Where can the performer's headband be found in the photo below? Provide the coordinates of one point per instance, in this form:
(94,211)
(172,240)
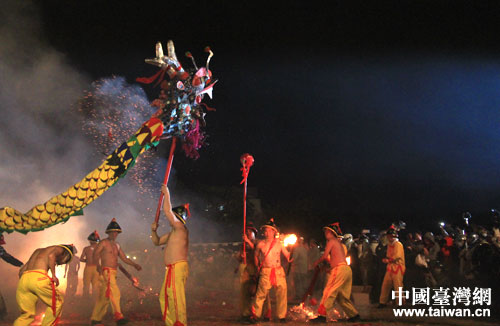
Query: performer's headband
(68,250)
(269,226)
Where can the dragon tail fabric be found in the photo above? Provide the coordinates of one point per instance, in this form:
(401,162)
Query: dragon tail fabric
(71,202)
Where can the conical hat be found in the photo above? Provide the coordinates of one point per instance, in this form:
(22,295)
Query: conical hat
(182,212)
(113,226)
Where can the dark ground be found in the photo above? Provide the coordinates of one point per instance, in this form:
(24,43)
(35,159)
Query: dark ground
(220,308)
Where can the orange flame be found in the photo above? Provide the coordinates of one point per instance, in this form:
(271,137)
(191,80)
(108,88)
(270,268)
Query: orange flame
(290,239)
(348,260)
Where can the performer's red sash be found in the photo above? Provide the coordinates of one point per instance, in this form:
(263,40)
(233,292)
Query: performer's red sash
(171,284)
(108,287)
(272,277)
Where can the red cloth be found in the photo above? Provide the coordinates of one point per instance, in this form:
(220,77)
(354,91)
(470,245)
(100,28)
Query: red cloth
(108,288)
(272,277)
(148,80)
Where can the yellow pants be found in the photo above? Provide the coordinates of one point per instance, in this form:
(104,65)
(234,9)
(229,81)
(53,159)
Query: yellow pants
(247,273)
(338,288)
(90,277)
(172,295)
(108,293)
(34,285)
(268,276)
(391,280)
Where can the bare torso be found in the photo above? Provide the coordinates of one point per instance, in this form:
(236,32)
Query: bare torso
(73,266)
(88,255)
(176,248)
(273,259)
(337,253)
(40,259)
(109,253)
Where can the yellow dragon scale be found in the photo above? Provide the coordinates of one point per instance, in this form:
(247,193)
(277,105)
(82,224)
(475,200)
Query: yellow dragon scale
(71,202)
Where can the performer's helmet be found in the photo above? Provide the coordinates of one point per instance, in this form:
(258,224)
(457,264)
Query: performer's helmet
(270,224)
(94,236)
(71,249)
(182,212)
(250,226)
(392,231)
(335,228)
(113,226)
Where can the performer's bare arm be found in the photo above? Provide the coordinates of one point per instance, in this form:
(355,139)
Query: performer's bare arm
(52,266)
(22,269)
(83,257)
(158,241)
(167,209)
(326,254)
(97,256)
(248,241)
(257,254)
(128,261)
(285,252)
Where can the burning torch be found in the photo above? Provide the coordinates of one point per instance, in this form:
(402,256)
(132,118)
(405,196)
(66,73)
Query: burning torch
(133,279)
(289,240)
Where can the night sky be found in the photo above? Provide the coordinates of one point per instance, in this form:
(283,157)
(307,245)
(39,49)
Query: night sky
(363,113)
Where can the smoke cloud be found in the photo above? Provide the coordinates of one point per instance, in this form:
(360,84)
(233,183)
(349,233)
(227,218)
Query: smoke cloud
(45,147)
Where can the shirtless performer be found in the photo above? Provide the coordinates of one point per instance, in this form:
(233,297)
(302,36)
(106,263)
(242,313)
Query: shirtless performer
(36,284)
(268,261)
(248,286)
(339,283)
(106,258)
(90,274)
(71,274)
(172,295)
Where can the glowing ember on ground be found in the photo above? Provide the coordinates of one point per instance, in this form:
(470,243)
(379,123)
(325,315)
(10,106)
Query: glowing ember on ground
(302,312)
(290,239)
